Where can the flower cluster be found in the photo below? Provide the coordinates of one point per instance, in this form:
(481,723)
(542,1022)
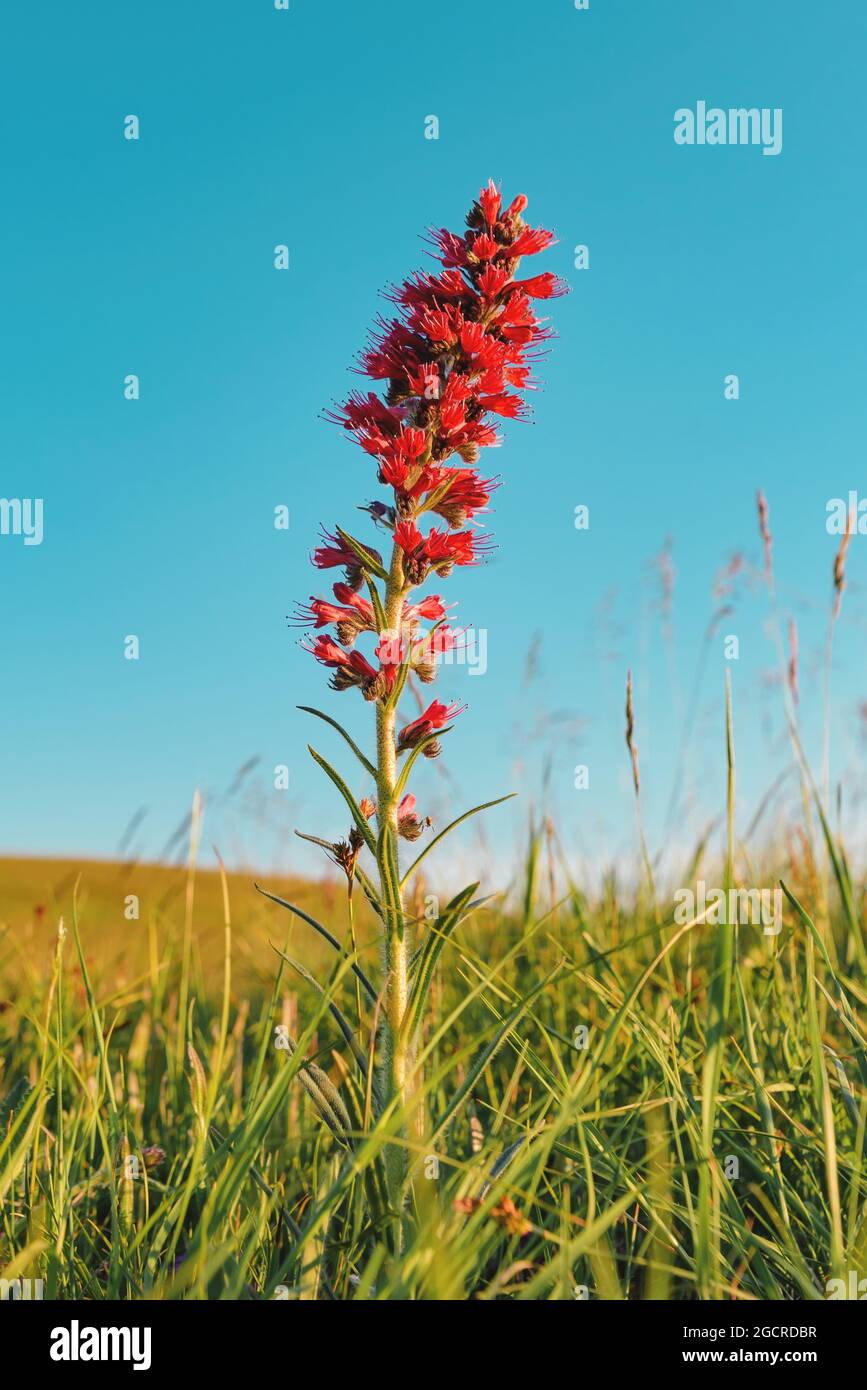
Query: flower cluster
(455,357)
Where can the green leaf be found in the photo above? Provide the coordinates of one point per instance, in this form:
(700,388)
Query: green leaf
(324,932)
(807,922)
(439,933)
(337,1015)
(486,805)
(841,872)
(365,556)
(374,1174)
(369,891)
(416,753)
(365,762)
(13,1102)
(326,1098)
(436,495)
(378,610)
(845,1087)
(502,1163)
(844,1012)
(493,1047)
(21,1112)
(361,823)
(386,858)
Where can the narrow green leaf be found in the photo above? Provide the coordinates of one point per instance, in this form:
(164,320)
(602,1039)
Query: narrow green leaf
(416,752)
(437,937)
(361,823)
(323,932)
(378,610)
(365,762)
(493,1047)
(486,805)
(366,557)
(339,1018)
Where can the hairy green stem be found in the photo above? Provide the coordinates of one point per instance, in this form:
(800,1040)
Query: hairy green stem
(396,956)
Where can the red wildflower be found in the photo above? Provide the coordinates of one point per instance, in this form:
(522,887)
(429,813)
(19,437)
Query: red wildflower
(489,202)
(350,668)
(425,381)
(461,495)
(408,824)
(365,412)
(431,607)
(434,718)
(505,1213)
(438,550)
(484,248)
(492,280)
(531,241)
(425,653)
(544,286)
(453,249)
(472,337)
(506,404)
(351,616)
(335,552)
(455,354)
(460,342)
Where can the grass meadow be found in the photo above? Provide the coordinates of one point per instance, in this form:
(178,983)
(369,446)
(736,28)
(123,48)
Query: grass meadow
(605,1102)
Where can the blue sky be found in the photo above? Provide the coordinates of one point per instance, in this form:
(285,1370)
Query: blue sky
(306,127)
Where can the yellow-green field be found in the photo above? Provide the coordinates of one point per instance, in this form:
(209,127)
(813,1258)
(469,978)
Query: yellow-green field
(606,1104)
(124,951)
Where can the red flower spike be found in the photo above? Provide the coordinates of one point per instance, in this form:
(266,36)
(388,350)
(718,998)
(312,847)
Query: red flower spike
(455,356)
(462,339)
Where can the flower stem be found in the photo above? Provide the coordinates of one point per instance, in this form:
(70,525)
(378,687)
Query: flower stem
(395,951)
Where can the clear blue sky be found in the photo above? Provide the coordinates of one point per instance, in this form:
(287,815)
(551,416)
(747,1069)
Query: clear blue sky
(306,127)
